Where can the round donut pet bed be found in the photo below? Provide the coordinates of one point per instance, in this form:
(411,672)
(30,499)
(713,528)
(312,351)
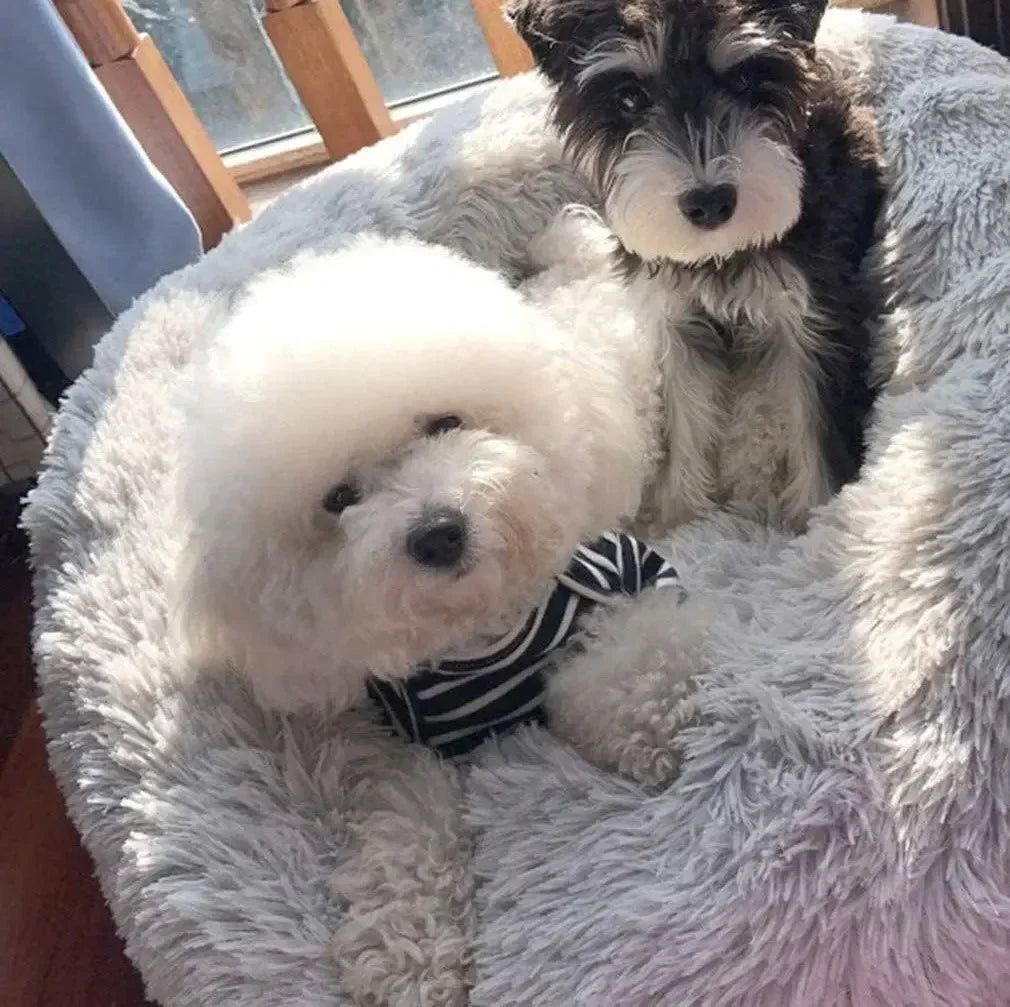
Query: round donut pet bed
(839,833)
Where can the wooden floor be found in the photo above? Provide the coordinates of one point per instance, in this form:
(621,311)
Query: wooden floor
(58,945)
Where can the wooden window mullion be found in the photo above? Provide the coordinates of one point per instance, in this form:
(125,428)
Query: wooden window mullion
(323,60)
(142,87)
(509,52)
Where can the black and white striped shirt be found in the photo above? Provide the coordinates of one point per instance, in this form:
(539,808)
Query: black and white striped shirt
(454,704)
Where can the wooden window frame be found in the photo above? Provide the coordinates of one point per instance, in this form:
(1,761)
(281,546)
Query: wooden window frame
(141,86)
(305,149)
(316,45)
(320,55)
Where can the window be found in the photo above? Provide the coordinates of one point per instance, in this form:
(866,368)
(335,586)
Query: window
(221,58)
(280,86)
(223,61)
(418,48)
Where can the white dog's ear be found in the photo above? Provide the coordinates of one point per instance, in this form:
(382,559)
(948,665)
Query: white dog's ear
(200,617)
(215,628)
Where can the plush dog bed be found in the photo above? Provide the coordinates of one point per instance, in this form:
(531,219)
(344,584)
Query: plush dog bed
(839,834)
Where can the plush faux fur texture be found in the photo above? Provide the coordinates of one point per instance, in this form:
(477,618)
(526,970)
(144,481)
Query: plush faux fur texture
(838,835)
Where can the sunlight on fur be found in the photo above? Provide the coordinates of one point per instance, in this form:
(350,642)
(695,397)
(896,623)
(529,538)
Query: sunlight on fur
(323,387)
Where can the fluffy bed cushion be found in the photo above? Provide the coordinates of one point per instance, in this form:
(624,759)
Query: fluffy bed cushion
(839,834)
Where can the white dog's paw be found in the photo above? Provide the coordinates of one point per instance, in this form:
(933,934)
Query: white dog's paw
(622,702)
(575,245)
(404,885)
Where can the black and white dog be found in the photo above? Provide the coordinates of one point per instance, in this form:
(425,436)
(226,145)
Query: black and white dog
(744,186)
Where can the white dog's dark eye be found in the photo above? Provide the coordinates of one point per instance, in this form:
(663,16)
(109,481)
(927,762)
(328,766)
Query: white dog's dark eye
(442,425)
(631,98)
(341,497)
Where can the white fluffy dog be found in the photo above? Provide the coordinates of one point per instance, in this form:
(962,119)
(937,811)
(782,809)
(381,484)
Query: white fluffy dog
(389,453)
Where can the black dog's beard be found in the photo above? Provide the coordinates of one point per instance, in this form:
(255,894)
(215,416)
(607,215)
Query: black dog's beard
(642,180)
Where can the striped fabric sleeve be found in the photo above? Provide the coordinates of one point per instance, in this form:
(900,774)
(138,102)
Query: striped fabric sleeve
(456,703)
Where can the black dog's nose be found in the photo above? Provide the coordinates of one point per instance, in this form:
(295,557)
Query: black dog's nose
(438,539)
(709,206)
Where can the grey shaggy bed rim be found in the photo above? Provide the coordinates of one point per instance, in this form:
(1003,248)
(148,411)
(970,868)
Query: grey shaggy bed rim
(839,835)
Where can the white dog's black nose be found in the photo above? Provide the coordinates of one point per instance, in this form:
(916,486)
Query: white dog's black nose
(438,539)
(709,206)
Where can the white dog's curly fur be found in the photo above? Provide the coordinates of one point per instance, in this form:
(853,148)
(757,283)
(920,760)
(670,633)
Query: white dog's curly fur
(328,374)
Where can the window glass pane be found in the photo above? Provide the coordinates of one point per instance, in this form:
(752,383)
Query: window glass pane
(221,58)
(419,47)
(225,64)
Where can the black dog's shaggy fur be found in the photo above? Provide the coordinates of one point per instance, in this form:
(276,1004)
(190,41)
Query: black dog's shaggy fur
(842,197)
(731,94)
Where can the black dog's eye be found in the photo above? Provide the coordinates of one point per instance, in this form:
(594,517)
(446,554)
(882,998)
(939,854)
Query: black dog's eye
(630,99)
(759,75)
(742,81)
(341,497)
(442,425)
